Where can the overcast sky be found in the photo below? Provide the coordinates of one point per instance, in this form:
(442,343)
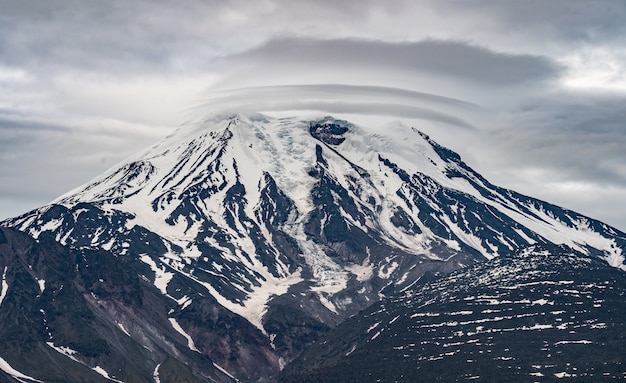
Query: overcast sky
(531,93)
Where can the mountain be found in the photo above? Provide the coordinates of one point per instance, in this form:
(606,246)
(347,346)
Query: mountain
(543,314)
(261,234)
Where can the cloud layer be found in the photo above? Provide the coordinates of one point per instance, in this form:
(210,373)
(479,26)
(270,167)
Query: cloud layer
(449,59)
(530,93)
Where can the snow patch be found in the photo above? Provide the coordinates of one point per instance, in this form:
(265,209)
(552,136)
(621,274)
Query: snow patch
(182,332)
(386,273)
(184,302)
(6,367)
(364,271)
(542,302)
(573,342)
(563,374)
(464,312)
(224,371)
(102,372)
(255,306)
(5,285)
(161,277)
(121,326)
(155,374)
(373,326)
(65,351)
(48,226)
(351,350)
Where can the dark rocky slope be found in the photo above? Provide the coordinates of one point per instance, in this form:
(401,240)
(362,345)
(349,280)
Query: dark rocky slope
(76,315)
(542,315)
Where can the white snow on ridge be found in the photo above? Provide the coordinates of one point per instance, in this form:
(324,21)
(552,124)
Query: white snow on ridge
(224,371)
(255,306)
(6,367)
(65,351)
(364,271)
(561,342)
(48,226)
(161,277)
(4,286)
(155,374)
(182,332)
(102,372)
(121,326)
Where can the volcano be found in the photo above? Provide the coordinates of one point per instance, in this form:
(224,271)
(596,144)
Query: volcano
(245,238)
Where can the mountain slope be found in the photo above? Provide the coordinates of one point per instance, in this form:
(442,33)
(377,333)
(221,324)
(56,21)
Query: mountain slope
(72,315)
(286,227)
(541,315)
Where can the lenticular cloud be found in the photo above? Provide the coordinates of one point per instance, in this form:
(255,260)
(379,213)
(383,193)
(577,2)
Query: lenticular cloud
(342,98)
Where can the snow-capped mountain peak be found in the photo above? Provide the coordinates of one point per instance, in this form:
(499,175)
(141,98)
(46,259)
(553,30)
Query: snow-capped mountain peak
(318,215)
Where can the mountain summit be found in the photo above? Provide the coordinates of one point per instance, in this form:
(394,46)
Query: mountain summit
(262,233)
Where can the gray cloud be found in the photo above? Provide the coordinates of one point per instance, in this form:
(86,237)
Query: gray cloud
(119,36)
(565,20)
(116,38)
(581,137)
(341,98)
(338,90)
(40,161)
(565,147)
(84,82)
(454,59)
